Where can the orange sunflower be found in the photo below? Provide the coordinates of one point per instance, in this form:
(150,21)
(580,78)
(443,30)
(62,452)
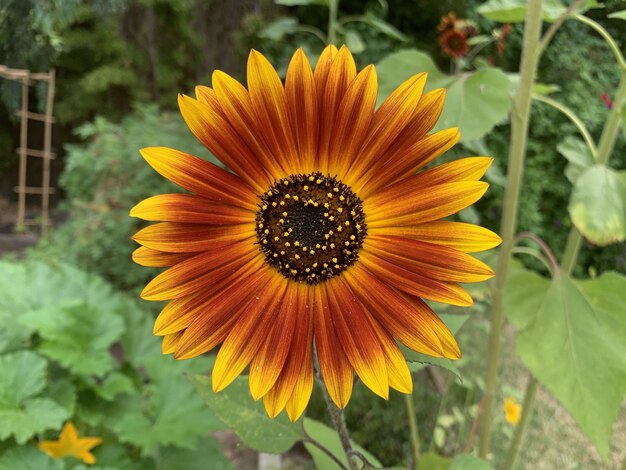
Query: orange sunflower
(321,236)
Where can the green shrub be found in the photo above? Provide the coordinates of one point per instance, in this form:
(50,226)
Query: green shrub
(103,178)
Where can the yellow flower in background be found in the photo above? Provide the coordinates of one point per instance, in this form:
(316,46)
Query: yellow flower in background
(321,235)
(70,444)
(512,410)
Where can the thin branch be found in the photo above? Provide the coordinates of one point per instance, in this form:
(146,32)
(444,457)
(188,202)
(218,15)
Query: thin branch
(544,247)
(523,250)
(547,37)
(330,455)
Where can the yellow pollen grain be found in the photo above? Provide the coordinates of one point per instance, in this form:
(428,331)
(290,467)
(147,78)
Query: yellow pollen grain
(305,187)
(284,214)
(274,204)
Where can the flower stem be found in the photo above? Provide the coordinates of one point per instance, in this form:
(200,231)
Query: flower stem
(415,438)
(333,8)
(605,148)
(519,130)
(522,426)
(336,416)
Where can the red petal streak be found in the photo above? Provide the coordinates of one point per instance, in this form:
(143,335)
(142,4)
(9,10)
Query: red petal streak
(270,107)
(389,120)
(184,238)
(208,123)
(200,177)
(298,365)
(269,361)
(342,73)
(357,337)
(253,328)
(405,204)
(180,313)
(303,109)
(406,321)
(335,367)
(222,313)
(429,260)
(464,169)
(406,161)
(236,104)
(195,273)
(353,121)
(190,208)
(158,259)
(416,284)
(461,236)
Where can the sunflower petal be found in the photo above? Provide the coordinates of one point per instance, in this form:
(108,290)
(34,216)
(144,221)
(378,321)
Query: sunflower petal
(335,367)
(208,123)
(461,236)
(358,339)
(168,346)
(158,259)
(200,177)
(302,106)
(404,204)
(434,261)
(185,238)
(189,208)
(242,343)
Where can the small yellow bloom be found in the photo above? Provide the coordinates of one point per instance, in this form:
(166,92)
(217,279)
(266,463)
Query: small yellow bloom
(70,443)
(512,410)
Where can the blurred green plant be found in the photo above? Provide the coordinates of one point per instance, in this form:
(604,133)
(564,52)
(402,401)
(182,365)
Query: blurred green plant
(103,178)
(72,348)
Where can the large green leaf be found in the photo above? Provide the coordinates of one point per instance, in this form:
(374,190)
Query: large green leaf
(206,455)
(570,335)
(469,462)
(236,408)
(475,102)
(577,154)
(28,458)
(329,438)
(597,205)
(170,412)
(78,335)
(433,461)
(23,413)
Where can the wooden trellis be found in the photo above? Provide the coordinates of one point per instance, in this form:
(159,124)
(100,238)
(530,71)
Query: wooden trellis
(24,151)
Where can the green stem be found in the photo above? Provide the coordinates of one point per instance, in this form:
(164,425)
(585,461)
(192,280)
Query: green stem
(605,148)
(333,9)
(319,34)
(607,37)
(415,438)
(336,416)
(519,130)
(522,426)
(554,27)
(572,117)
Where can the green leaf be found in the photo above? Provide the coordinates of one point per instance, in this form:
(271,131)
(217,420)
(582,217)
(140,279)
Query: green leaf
(432,461)
(236,408)
(28,458)
(113,385)
(578,155)
(207,454)
(545,89)
(384,27)
(278,29)
(620,15)
(77,335)
(329,438)
(570,336)
(514,11)
(170,411)
(475,102)
(469,462)
(597,205)
(354,41)
(418,361)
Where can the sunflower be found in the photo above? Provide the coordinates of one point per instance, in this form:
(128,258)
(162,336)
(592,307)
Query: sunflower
(321,236)
(453,43)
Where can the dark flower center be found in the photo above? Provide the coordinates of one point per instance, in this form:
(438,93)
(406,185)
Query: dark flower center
(310,227)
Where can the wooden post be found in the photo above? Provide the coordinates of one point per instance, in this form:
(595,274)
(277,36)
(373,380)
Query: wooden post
(21,204)
(47,154)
